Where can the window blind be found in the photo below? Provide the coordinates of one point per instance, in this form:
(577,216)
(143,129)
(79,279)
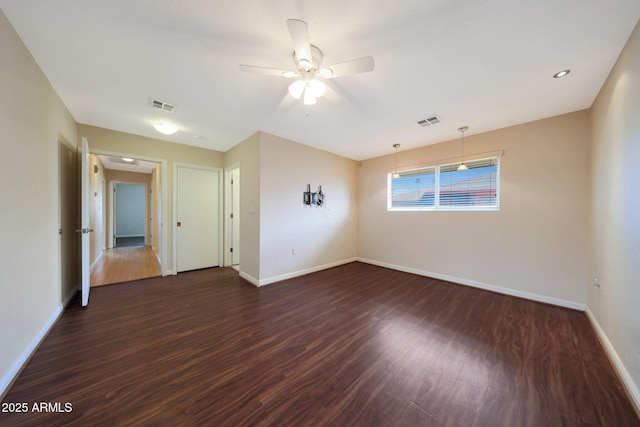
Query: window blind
(444,187)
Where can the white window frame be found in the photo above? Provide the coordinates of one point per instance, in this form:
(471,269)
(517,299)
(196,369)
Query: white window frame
(437,206)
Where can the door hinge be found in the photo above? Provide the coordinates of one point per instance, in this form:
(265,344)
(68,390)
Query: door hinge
(231,216)
(230,249)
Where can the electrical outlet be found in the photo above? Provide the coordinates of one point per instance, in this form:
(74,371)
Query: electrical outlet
(596,283)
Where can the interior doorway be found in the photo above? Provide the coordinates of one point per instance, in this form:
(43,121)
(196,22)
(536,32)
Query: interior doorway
(68,217)
(128,204)
(130,212)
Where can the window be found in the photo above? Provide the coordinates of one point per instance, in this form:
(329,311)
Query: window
(443,187)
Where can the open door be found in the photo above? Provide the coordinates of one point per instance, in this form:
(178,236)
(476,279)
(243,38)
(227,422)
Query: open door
(85,227)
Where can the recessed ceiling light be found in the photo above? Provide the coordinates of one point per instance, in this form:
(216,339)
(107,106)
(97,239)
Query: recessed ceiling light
(165,128)
(561,74)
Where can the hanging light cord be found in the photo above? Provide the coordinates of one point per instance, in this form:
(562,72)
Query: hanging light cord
(396,174)
(462,166)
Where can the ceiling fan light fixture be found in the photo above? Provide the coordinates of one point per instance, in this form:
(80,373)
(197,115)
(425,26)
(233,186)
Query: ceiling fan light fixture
(317,87)
(165,128)
(309,96)
(296,88)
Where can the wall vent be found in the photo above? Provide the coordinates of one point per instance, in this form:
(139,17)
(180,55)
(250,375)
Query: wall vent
(434,119)
(163,106)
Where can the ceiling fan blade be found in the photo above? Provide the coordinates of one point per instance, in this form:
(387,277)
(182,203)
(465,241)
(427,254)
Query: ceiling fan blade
(268,71)
(354,66)
(299,32)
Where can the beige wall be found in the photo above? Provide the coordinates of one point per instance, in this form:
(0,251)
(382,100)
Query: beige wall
(247,156)
(105,140)
(535,246)
(32,119)
(615,206)
(321,236)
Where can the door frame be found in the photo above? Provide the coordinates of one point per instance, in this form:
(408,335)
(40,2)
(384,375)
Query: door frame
(112,209)
(174,226)
(228,232)
(163,191)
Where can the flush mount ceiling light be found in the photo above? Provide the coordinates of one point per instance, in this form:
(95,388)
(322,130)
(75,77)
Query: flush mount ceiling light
(128,159)
(462,166)
(561,74)
(165,128)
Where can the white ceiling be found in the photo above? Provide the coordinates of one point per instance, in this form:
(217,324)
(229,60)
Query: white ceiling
(486,64)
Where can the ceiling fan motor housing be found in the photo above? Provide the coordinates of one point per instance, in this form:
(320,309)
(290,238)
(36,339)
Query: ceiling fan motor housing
(316,57)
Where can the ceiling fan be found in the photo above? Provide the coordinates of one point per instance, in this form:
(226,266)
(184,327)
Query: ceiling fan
(308,70)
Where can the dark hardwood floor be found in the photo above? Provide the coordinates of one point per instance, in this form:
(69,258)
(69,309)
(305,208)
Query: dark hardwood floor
(355,345)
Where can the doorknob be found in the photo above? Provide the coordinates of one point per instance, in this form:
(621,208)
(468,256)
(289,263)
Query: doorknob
(85,230)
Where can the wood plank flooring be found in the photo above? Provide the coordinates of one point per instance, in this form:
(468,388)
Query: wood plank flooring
(123,265)
(356,345)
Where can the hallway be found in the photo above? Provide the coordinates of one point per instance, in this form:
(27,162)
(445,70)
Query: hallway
(124,264)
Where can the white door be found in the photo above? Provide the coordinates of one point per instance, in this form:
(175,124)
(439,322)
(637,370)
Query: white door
(85,227)
(197,218)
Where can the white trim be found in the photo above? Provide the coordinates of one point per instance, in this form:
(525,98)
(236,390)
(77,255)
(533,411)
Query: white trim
(174,226)
(506,291)
(285,276)
(12,374)
(249,278)
(226,259)
(632,388)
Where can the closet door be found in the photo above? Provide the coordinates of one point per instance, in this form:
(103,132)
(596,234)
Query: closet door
(197,218)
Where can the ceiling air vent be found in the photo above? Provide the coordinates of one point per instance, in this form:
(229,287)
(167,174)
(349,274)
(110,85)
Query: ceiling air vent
(428,121)
(163,106)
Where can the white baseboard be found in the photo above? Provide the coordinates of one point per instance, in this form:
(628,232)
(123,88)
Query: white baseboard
(274,279)
(630,385)
(7,380)
(249,278)
(480,285)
